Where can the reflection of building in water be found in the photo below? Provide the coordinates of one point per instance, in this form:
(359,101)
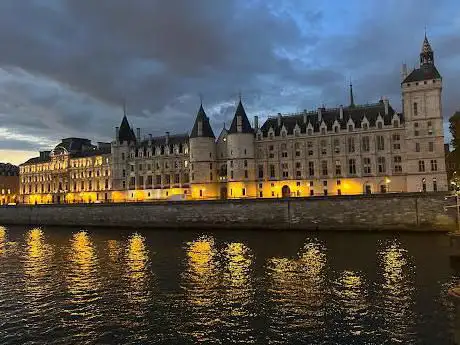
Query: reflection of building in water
(397,293)
(297,289)
(238,293)
(201,288)
(351,295)
(136,261)
(82,277)
(2,239)
(114,250)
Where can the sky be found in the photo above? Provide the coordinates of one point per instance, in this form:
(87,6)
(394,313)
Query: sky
(67,65)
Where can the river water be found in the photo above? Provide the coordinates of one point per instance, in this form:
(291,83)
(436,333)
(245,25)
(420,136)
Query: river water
(112,286)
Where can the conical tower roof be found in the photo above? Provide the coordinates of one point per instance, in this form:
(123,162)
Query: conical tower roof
(245,124)
(126,133)
(206,126)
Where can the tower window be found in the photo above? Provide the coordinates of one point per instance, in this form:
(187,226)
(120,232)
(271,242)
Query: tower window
(415,107)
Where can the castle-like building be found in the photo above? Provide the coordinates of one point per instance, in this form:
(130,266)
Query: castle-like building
(351,149)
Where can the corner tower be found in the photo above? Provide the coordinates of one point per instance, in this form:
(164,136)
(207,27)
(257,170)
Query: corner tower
(240,154)
(203,166)
(422,108)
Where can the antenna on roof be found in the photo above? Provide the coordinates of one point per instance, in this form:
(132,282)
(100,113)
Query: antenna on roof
(125,110)
(239,95)
(201,98)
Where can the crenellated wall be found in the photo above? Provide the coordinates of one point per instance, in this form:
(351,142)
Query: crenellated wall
(414,211)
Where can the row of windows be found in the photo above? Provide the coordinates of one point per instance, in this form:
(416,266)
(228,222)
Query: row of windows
(157,180)
(337,168)
(324,131)
(158,151)
(58,187)
(433,165)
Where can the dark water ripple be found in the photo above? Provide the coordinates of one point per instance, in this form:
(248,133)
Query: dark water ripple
(61,286)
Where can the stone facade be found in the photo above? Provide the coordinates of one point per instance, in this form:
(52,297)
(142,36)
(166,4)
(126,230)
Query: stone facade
(9,183)
(75,171)
(352,149)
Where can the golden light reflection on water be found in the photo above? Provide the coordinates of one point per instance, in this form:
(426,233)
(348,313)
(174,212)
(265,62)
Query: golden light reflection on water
(136,260)
(82,275)
(397,291)
(297,289)
(37,262)
(114,250)
(2,239)
(201,274)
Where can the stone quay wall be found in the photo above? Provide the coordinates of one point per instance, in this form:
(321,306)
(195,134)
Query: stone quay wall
(409,211)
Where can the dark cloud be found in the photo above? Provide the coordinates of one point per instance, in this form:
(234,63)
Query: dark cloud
(73,61)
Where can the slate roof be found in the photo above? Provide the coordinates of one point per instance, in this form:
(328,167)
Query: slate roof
(125,133)
(207,130)
(246,125)
(7,169)
(356,113)
(174,139)
(425,72)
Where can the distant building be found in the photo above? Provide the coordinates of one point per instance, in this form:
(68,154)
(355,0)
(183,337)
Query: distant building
(74,171)
(350,149)
(9,183)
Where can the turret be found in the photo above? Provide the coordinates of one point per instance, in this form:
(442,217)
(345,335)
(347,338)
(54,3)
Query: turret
(240,153)
(203,165)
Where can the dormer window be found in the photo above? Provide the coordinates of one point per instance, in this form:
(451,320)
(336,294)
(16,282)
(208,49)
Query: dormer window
(296,132)
(310,131)
(350,128)
(365,126)
(336,129)
(283,134)
(259,136)
(323,131)
(395,123)
(379,125)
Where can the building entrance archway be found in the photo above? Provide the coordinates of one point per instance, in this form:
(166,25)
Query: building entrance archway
(285,192)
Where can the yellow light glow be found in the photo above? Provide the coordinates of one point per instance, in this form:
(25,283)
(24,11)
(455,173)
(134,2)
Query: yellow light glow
(2,239)
(137,258)
(387,180)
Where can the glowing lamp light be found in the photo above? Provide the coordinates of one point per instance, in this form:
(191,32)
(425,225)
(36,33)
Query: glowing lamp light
(387,180)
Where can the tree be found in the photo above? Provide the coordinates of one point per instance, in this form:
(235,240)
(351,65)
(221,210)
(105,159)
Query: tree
(454,128)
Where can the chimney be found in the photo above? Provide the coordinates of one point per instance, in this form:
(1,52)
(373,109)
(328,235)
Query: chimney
(320,115)
(200,128)
(404,71)
(386,103)
(305,116)
(279,119)
(138,133)
(256,122)
(117,133)
(341,112)
(167,138)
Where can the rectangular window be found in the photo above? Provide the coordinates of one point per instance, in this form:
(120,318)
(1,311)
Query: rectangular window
(140,167)
(421,166)
(124,173)
(243,191)
(415,109)
(338,168)
(351,144)
(132,167)
(261,171)
(381,165)
(324,167)
(245,174)
(167,179)
(132,181)
(366,144)
(149,181)
(272,171)
(367,165)
(417,147)
(177,178)
(380,143)
(352,166)
(431,146)
(397,164)
(231,174)
(434,165)
(311,168)
(158,179)
(141,181)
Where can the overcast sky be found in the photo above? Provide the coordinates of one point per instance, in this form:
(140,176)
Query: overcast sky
(66,65)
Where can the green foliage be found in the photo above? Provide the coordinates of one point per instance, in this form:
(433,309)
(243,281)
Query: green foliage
(454,127)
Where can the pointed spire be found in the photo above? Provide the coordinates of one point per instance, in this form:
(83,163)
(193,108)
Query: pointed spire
(240,123)
(202,127)
(426,54)
(352,99)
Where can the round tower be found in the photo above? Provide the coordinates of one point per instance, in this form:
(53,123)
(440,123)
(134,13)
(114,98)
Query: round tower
(203,164)
(241,160)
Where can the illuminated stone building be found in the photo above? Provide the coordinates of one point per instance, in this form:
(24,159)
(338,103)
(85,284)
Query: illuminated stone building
(9,183)
(352,149)
(74,171)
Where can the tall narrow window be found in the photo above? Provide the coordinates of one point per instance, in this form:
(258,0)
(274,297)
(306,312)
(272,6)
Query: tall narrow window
(272,171)
(338,168)
(397,164)
(381,165)
(367,165)
(311,168)
(351,144)
(380,143)
(434,165)
(415,109)
(324,168)
(421,166)
(261,171)
(366,144)
(431,146)
(352,166)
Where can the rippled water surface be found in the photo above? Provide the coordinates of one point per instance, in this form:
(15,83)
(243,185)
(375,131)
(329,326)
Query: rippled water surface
(111,286)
